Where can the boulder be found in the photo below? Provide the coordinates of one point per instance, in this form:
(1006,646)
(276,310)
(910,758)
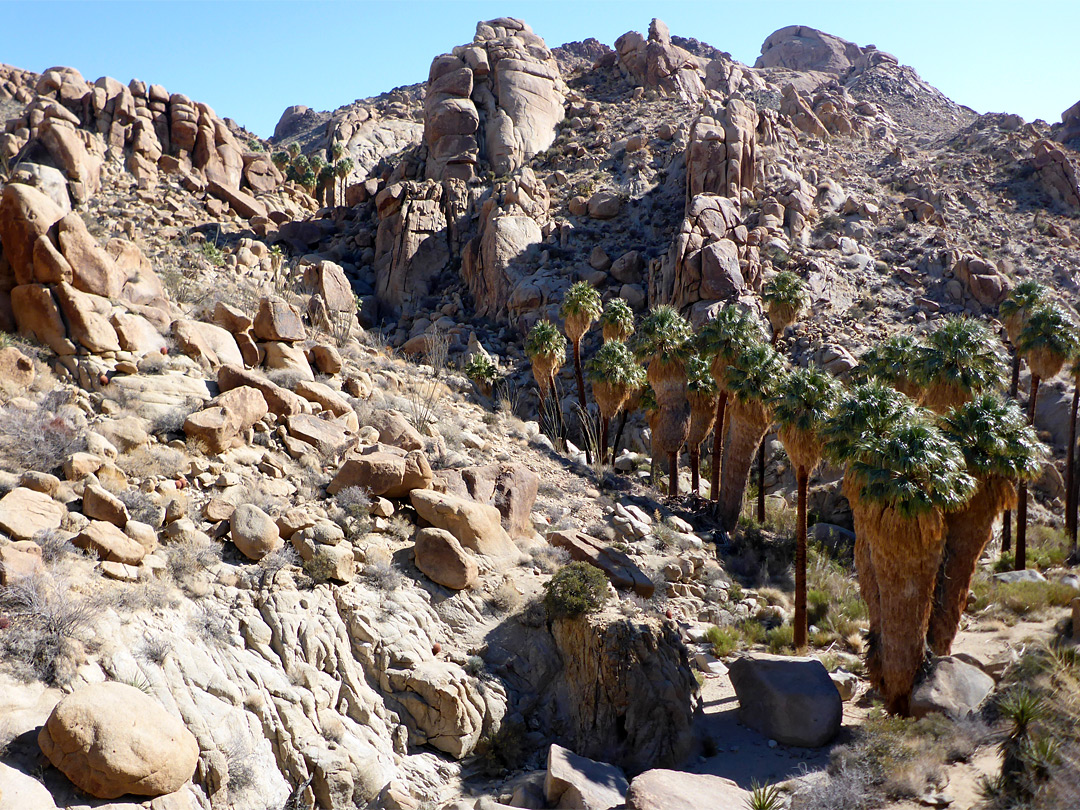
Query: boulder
(280,401)
(281,356)
(605,204)
(657,63)
(111,739)
(19,559)
(394,429)
(25,512)
(328,280)
(578,782)
(87,318)
(254,532)
(952,687)
(328,437)
(37,315)
(661,789)
(620,569)
(790,700)
(278,321)
(242,202)
(21,792)
(25,214)
(329,400)
(92,269)
(510,488)
(221,425)
(50,266)
(439,555)
(206,343)
(799,47)
(383,470)
(100,504)
(477,526)
(16,369)
(109,543)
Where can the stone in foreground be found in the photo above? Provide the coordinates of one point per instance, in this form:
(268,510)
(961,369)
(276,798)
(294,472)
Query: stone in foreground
(952,687)
(577,782)
(661,789)
(790,700)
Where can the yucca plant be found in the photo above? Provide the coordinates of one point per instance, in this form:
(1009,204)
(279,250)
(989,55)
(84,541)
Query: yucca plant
(892,361)
(802,404)
(999,448)
(907,477)
(617,321)
(664,339)
(546,348)
(614,375)
(959,360)
(1046,341)
(751,381)
(702,393)
(580,308)
(786,296)
(721,339)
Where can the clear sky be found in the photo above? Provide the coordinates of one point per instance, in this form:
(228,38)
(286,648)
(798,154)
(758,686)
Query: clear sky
(250,60)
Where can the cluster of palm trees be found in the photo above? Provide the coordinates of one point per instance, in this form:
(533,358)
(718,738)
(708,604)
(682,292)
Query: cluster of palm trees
(320,178)
(932,449)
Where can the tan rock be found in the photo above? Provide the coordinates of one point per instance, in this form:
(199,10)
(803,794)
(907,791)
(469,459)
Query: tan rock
(439,555)
(287,357)
(79,465)
(18,560)
(230,318)
(100,504)
(278,321)
(232,413)
(280,401)
(109,543)
(25,214)
(22,792)
(383,470)
(243,203)
(136,334)
(50,266)
(254,532)
(327,359)
(328,437)
(207,343)
(37,315)
(661,789)
(16,369)
(87,318)
(82,168)
(394,429)
(93,270)
(111,739)
(328,280)
(477,526)
(24,513)
(325,397)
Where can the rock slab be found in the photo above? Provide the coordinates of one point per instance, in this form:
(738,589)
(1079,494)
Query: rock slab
(790,700)
(579,782)
(952,687)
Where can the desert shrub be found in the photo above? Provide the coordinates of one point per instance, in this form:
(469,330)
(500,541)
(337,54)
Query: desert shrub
(550,559)
(724,640)
(151,462)
(142,506)
(153,363)
(575,589)
(505,598)
(171,422)
(277,560)
(38,439)
(47,620)
(780,638)
(355,503)
(481,371)
(1017,599)
(54,545)
(211,625)
(384,576)
(424,402)
(239,763)
(437,349)
(320,567)
(154,649)
(188,559)
(286,377)
(1047,547)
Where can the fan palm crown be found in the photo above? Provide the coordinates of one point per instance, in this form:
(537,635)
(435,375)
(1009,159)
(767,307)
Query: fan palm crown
(957,361)
(614,363)
(1047,340)
(723,337)
(699,379)
(545,340)
(617,321)
(995,439)
(1018,304)
(580,307)
(753,375)
(802,404)
(891,361)
(664,338)
(865,411)
(786,296)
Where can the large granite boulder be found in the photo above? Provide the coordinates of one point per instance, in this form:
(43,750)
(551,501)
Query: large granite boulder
(111,739)
(574,781)
(661,789)
(799,47)
(655,62)
(477,526)
(790,700)
(951,687)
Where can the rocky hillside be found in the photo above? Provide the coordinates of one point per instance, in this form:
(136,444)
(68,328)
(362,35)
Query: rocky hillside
(264,543)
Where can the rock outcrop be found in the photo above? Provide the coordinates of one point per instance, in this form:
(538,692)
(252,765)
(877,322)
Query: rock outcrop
(1057,174)
(721,155)
(799,47)
(655,62)
(493,102)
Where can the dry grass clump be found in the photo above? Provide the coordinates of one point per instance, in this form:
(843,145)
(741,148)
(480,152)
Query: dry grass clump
(188,559)
(153,461)
(39,439)
(1010,601)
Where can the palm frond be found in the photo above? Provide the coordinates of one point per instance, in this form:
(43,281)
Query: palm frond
(867,410)
(581,300)
(617,320)
(614,363)
(699,379)
(664,335)
(1047,339)
(754,374)
(995,438)
(733,329)
(1025,296)
(545,340)
(962,355)
(786,296)
(805,398)
(891,361)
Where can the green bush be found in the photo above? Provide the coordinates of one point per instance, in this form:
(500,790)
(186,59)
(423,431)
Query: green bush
(780,638)
(724,640)
(576,589)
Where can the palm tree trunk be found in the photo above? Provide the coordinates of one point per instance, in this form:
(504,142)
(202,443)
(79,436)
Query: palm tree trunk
(748,427)
(695,475)
(905,554)
(862,514)
(618,434)
(801,629)
(1021,495)
(968,532)
(605,423)
(581,395)
(1006,519)
(673,474)
(1070,471)
(718,446)
(761,483)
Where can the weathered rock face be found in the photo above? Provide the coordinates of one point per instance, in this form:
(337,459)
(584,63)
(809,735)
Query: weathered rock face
(1070,124)
(439,555)
(25,512)
(495,101)
(626,694)
(721,155)
(574,781)
(111,739)
(383,470)
(477,526)
(657,63)
(661,789)
(510,488)
(620,569)
(708,260)
(798,47)
(1057,174)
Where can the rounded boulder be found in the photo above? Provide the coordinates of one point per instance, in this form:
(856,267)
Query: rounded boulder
(111,739)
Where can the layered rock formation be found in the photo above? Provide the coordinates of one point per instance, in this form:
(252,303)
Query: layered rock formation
(493,102)
(657,63)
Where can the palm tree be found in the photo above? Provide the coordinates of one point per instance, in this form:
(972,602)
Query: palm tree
(580,307)
(546,348)
(721,339)
(803,402)
(664,339)
(1025,297)
(750,380)
(647,403)
(785,294)
(342,169)
(326,183)
(1046,341)
(617,322)
(960,359)
(999,447)
(337,151)
(871,408)
(614,376)
(891,361)
(293,150)
(1070,463)
(702,393)
(281,159)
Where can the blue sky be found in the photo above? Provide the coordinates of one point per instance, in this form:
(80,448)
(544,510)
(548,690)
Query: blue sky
(250,60)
